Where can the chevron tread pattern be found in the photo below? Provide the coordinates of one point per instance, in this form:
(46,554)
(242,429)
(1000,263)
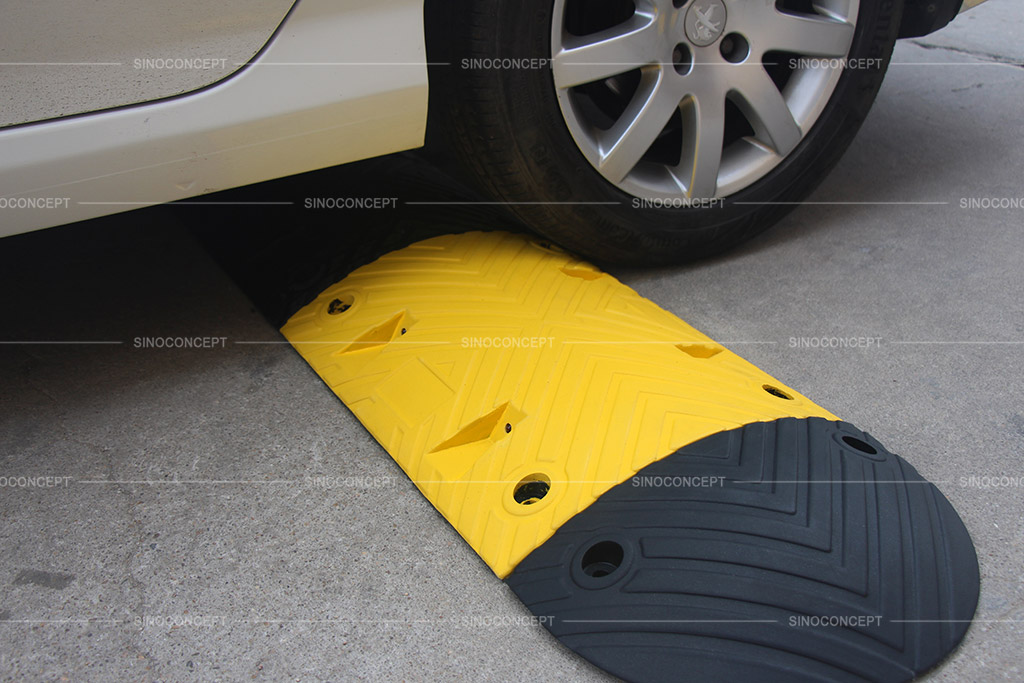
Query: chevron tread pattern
(617,384)
(790,550)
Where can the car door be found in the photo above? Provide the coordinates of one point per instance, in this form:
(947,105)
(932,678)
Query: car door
(60,58)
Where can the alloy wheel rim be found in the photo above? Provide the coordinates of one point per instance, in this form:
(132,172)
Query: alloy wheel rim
(686,100)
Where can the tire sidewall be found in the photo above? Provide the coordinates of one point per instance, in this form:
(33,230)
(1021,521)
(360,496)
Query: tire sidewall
(536,134)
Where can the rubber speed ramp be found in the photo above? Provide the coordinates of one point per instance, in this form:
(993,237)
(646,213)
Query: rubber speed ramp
(664,504)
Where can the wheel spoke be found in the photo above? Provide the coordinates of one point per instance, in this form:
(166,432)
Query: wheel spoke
(623,144)
(766,109)
(703,132)
(807,35)
(690,66)
(607,53)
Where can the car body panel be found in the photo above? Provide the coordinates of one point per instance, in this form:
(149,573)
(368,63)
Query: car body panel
(327,90)
(968,4)
(339,81)
(922,17)
(59,58)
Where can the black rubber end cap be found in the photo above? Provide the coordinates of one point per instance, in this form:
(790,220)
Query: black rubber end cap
(795,550)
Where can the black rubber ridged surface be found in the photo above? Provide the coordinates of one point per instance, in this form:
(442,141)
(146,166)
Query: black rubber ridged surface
(716,576)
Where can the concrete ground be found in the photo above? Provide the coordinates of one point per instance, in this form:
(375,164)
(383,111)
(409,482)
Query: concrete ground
(184,536)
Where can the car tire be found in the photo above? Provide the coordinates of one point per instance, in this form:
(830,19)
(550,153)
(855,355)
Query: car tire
(506,109)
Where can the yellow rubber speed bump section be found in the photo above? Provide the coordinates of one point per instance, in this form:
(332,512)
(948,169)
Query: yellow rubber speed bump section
(515,385)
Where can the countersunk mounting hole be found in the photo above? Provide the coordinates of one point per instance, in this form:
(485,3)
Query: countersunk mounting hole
(776,392)
(341,304)
(531,489)
(602,558)
(863,447)
(549,247)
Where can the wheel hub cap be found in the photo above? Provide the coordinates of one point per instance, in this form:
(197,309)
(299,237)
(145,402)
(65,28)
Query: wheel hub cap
(705,21)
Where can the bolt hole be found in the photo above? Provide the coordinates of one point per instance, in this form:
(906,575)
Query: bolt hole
(508,427)
(550,247)
(776,392)
(602,559)
(682,59)
(340,305)
(863,447)
(734,48)
(404,330)
(532,488)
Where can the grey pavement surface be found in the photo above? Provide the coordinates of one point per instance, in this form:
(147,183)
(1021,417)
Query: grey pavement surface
(191,540)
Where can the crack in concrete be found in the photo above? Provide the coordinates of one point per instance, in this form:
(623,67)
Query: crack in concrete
(983,56)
